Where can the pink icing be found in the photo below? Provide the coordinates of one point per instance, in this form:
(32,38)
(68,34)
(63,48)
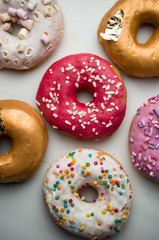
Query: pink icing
(57,97)
(144,139)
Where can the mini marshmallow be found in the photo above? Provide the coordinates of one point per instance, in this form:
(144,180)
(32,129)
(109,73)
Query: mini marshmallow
(4,17)
(12,11)
(6,26)
(47,11)
(22,33)
(21,47)
(26,23)
(29,24)
(22,14)
(45,39)
(32,4)
(45,2)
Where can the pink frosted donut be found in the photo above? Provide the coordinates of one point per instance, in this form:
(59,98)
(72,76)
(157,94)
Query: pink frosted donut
(144,139)
(57,96)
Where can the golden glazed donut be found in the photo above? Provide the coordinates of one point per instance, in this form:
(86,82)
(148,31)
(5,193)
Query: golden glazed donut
(117,34)
(23,125)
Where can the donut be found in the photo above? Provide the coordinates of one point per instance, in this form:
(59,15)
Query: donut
(144,139)
(21,122)
(57,96)
(117,34)
(30,31)
(103,217)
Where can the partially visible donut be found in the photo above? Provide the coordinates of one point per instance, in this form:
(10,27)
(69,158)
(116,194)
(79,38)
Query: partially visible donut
(23,125)
(103,217)
(57,96)
(117,34)
(41,28)
(144,139)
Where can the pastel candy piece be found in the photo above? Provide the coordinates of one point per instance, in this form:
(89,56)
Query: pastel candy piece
(105,215)
(144,139)
(22,14)
(57,96)
(12,11)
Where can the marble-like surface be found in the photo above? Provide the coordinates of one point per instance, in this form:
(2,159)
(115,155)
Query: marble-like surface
(23,214)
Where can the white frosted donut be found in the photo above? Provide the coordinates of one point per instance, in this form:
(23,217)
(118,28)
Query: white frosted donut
(101,218)
(40,30)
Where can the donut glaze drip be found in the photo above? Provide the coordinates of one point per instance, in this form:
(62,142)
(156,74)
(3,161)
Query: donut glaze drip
(103,217)
(144,139)
(57,96)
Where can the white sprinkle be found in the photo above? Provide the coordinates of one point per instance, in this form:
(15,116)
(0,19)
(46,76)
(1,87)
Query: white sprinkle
(104,98)
(96,121)
(67,103)
(107,87)
(113,81)
(55,115)
(62,69)
(104,77)
(67,82)
(95,94)
(74,70)
(109,92)
(67,77)
(116,93)
(96,133)
(69,111)
(93,130)
(102,106)
(37,103)
(92,116)
(99,68)
(54,127)
(67,122)
(78,78)
(69,68)
(52,89)
(111,66)
(82,125)
(112,104)
(98,62)
(94,84)
(109,109)
(74,107)
(117,108)
(89,80)
(50,94)
(73,128)
(118,85)
(43,99)
(48,106)
(109,124)
(89,110)
(77,85)
(103,123)
(82,71)
(53,108)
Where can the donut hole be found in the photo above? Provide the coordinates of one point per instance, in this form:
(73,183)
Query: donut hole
(88,194)
(15,29)
(5,144)
(84,96)
(144,33)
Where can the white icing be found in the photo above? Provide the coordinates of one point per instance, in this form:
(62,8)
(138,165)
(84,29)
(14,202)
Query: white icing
(80,210)
(39,51)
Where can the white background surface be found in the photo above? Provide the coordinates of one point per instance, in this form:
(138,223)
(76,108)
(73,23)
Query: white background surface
(23,214)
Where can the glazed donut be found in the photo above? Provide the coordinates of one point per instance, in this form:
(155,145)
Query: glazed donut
(57,96)
(117,34)
(101,218)
(41,28)
(143,139)
(23,125)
